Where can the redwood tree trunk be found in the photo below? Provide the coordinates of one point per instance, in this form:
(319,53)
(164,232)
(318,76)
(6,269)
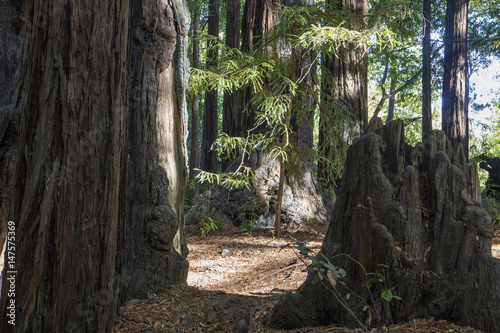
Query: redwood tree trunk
(69,198)
(210,114)
(232,108)
(154,255)
(194,157)
(259,18)
(455,111)
(344,89)
(10,46)
(426,72)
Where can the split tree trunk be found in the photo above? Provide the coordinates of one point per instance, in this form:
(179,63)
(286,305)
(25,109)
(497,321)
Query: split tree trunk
(155,250)
(406,213)
(68,201)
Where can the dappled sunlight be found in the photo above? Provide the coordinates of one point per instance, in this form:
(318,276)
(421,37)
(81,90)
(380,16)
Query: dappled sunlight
(258,264)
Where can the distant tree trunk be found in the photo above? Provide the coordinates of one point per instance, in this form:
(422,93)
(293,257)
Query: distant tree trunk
(405,226)
(10,46)
(210,114)
(344,86)
(154,255)
(259,19)
(231,108)
(455,110)
(69,198)
(426,71)
(194,157)
(392,103)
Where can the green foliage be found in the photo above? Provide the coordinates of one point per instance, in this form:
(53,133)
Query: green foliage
(267,72)
(378,277)
(202,218)
(321,267)
(492,206)
(251,211)
(243,177)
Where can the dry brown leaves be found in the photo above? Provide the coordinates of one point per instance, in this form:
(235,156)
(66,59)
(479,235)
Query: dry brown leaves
(234,281)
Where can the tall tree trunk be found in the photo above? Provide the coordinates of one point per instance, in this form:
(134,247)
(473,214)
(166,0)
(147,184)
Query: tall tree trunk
(259,19)
(10,46)
(231,108)
(426,72)
(69,198)
(154,255)
(344,87)
(455,110)
(194,157)
(210,114)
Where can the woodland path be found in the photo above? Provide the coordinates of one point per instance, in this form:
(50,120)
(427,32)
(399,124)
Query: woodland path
(234,280)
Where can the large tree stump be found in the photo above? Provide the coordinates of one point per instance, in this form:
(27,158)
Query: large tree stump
(408,214)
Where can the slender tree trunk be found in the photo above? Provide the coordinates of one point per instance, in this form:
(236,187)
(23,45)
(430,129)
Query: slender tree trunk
(210,114)
(194,157)
(69,198)
(231,108)
(426,72)
(154,255)
(392,103)
(455,110)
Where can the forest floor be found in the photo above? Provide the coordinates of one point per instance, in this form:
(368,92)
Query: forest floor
(234,280)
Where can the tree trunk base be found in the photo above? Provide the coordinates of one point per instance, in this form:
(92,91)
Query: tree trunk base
(404,224)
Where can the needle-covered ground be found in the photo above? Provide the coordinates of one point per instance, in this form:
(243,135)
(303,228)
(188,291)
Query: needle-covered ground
(234,281)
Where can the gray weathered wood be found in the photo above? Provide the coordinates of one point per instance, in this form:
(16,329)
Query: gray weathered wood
(409,210)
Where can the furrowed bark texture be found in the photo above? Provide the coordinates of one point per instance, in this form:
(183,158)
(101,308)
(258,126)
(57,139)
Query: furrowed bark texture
(455,111)
(426,71)
(231,107)
(410,210)
(344,89)
(346,80)
(194,156)
(10,46)
(69,196)
(155,250)
(259,19)
(210,114)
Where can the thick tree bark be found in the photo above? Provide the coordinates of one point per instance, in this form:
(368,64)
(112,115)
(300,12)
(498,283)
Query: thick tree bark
(259,19)
(69,198)
(455,110)
(348,72)
(210,114)
(10,46)
(344,86)
(407,214)
(154,255)
(194,157)
(426,71)
(231,107)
